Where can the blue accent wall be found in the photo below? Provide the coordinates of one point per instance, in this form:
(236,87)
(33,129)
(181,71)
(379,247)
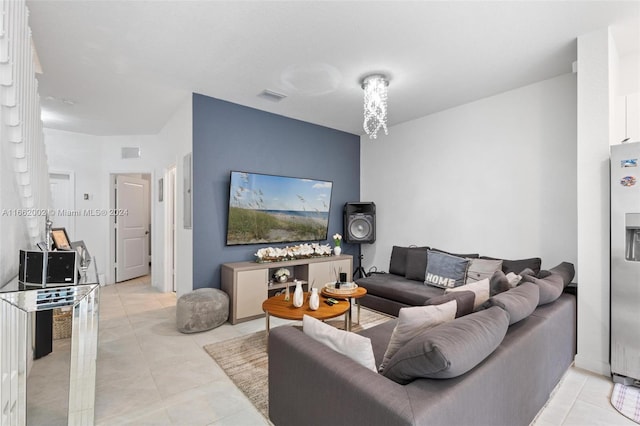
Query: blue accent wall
(227,137)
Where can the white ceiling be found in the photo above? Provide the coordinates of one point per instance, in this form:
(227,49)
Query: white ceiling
(123,67)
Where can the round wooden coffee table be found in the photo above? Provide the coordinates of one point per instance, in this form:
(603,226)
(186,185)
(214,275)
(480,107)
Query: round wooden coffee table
(357,294)
(280,308)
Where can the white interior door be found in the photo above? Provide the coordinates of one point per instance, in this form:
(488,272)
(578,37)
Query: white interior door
(132,227)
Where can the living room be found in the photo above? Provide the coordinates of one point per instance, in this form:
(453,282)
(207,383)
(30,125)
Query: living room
(515,172)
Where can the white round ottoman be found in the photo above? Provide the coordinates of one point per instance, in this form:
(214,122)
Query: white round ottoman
(201,310)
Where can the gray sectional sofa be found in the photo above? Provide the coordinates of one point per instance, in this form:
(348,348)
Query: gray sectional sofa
(310,383)
(403,285)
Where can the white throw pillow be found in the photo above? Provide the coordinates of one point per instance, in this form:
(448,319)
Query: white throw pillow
(356,347)
(414,320)
(513,279)
(482,290)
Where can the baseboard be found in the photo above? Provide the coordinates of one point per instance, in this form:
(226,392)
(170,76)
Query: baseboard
(595,366)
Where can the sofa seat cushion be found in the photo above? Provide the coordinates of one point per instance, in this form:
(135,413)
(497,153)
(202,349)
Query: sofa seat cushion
(399,289)
(450,349)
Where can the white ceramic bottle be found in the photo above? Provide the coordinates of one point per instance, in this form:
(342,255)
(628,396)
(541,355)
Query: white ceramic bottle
(314,300)
(298,295)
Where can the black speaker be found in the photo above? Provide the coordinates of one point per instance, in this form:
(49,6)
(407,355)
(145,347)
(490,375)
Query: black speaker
(360,222)
(52,267)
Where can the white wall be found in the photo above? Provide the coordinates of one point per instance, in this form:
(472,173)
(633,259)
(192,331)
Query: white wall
(496,176)
(177,134)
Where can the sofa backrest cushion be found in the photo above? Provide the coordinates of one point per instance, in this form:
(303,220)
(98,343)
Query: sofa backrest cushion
(566,270)
(414,320)
(516,266)
(352,345)
(499,283)
(416,263)
(464,301)
(550,287)
(520,301)
(398,263)
(467,255)
(450,349)
(480,269)
(445,270)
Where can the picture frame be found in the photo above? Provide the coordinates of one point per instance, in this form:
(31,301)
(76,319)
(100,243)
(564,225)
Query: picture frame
(60,239)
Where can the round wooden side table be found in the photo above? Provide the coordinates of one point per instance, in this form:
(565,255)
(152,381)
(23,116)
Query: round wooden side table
(280,308)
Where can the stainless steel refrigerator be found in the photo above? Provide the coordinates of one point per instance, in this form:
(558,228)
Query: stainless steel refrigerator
(625,263)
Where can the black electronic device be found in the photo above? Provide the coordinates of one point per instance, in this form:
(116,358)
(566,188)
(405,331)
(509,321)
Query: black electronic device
(48,267)
(360,222)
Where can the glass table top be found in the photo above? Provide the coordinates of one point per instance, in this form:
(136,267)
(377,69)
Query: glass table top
(38,297)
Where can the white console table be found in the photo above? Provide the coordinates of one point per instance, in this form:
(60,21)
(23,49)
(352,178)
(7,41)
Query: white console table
(17,302)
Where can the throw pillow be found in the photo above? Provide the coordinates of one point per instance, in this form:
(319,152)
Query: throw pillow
(520,301)
(416,263)
(516,266)
(480,269)
(550,287)
(498,283)
(398,262)
(481,289)
(450,349)
(464,301)
(414,320)
(513,279)
(352,345)
(445,270)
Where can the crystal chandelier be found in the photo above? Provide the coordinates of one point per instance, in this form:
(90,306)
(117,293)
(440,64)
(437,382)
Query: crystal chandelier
(375,104)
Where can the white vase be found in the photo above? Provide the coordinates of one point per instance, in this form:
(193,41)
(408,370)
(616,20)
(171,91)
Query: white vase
(298,295)
(337,250)
(314,300)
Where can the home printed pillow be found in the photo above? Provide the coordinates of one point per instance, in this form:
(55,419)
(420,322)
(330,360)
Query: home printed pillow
(445,270)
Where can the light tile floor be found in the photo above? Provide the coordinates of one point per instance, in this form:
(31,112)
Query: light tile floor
(150,374)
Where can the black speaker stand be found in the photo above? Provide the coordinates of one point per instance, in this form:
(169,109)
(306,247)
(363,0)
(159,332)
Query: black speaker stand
(359,269)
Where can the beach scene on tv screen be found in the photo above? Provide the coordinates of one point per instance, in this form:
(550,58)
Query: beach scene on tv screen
(273,209)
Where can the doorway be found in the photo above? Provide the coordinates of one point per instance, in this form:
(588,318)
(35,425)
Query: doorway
(131,221)
(63,200)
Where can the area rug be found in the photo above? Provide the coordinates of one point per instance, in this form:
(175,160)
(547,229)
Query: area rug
(626,399)
(244,359)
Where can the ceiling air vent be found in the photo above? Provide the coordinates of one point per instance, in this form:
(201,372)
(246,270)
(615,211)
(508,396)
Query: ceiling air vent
(271,95)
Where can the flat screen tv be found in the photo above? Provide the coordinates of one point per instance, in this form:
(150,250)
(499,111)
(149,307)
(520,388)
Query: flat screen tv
(267,209)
